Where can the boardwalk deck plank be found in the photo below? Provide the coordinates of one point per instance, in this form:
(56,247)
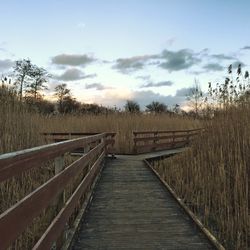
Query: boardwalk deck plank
(131,209)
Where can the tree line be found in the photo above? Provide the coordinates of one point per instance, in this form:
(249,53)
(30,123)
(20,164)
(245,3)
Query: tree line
(28,82)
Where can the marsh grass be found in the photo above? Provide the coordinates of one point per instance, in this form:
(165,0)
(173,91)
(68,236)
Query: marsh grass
(20,128)
(212,177)
(123,124)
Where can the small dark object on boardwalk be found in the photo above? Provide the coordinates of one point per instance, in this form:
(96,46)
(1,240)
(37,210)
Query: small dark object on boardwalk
(131,209)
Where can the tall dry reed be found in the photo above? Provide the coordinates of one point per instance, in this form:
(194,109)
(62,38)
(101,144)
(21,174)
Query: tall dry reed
(212,177)
(123,124)
(20,129)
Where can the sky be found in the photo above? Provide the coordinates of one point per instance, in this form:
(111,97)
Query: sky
(110,51)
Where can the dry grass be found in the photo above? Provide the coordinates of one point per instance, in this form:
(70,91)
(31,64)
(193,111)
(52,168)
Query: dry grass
(20,129)
(213,177)
(122,124)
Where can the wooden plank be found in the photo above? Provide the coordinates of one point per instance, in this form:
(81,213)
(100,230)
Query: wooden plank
(17,218)
(57,225)
(132,210)
(199,224)
(160,146)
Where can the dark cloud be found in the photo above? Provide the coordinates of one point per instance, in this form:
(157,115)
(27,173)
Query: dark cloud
(73,74)
(222,57)
(175,60)
(146,97)
(126,65)
(246,48)
(97,86)
(183,92)
(142,97)
(6,64)
(204,52)
(178,60)
(236,64)
(72,60)
(213,67)
(158,84)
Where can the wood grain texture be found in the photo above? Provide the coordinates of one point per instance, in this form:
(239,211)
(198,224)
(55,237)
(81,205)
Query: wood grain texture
(131,209)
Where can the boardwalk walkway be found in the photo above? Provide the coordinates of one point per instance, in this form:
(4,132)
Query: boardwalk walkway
(131,209)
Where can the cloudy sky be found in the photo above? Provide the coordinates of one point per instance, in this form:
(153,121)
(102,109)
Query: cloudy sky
(108,51)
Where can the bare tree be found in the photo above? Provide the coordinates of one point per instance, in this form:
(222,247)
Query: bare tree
(177,109)
(62,93)
(195,97)
(22,71)
(39,79)
(132,107)
(156,107)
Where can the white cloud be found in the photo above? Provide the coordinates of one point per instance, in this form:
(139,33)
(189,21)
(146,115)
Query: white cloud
(81,25)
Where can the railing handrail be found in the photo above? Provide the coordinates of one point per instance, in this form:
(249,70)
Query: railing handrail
(19,216)
(166,131)
(77,133)
(158,137)
(14,163)
(147,141)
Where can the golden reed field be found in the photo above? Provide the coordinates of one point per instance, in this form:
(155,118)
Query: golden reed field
(211,177)
(20,129)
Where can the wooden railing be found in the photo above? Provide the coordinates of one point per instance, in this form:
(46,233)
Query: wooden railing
(149,141)
(18,217)
(63,136)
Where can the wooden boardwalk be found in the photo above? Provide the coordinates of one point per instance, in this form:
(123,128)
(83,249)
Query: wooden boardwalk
(131,209)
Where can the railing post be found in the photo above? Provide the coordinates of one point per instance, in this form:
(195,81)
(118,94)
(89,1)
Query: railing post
(188,138)
(61,200)
(155,141)
(173,139)
(113,147)
(104,140)
(135,142)
(59,164)
(86,149)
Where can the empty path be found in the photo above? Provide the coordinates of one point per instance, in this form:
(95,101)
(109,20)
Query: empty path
(131,209)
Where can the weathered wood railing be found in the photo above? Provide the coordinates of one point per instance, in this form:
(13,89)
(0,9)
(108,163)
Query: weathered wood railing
(18,217)
(149,141)
(63,136)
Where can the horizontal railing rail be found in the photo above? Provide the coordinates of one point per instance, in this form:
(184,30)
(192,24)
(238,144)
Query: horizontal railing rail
(150,141)
(18,217)
(63,136)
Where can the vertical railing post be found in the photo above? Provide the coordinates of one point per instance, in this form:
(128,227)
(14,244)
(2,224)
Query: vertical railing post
(61,200)
(188,138)
(135,142)
(155,141)
(59,166)
(173,141)
(113,146)
(104,139)
(86,149)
